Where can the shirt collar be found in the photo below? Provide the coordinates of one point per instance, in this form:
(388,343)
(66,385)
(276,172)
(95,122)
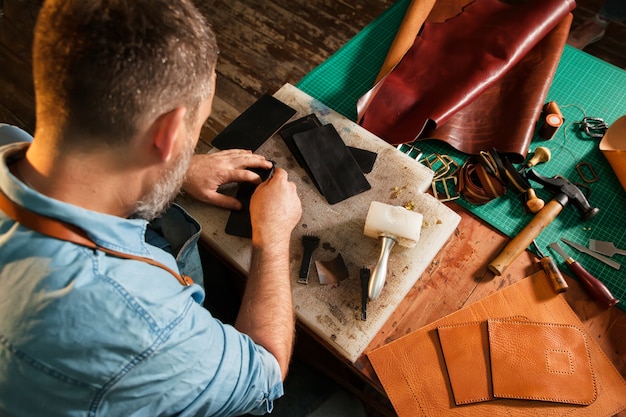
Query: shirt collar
(113,232)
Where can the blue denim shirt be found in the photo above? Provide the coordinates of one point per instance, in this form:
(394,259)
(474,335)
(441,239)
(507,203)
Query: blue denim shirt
(86,334)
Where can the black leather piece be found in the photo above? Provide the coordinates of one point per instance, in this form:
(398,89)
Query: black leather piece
(364,158)
(303,124)
(255,125)
(239,223)
(332,165)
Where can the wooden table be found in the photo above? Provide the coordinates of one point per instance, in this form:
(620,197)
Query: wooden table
(457,276)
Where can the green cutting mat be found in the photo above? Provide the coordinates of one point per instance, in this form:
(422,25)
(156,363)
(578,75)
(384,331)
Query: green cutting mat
(583,86)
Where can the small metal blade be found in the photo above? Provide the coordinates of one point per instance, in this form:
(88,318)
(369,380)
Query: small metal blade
(558,249)
(589,252)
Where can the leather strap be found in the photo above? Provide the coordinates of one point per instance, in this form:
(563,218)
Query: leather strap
(64,231)
(478,184)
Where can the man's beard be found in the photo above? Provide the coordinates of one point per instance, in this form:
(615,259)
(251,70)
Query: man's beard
(155,202)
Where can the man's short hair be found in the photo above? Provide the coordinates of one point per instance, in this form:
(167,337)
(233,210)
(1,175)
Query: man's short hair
(105,68)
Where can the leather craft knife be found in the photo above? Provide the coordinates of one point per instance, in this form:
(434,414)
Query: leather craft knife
(589,252)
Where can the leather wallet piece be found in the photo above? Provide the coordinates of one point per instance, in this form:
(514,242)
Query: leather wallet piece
(413,372)
(465,348)
(466,351)
(300,125)
(364,158)
(331,164)
(540,361)
(255,125)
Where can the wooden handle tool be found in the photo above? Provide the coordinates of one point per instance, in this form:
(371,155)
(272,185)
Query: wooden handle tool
(593,285)
(555,278)
(524,238)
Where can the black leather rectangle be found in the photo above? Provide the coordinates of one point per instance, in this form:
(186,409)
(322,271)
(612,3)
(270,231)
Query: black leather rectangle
(332,165)
(255,125)
(238,223)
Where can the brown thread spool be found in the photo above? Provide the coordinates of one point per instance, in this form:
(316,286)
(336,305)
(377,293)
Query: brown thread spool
(552,120)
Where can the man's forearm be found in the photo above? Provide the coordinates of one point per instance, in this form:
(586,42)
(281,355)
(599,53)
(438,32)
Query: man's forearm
(266,313)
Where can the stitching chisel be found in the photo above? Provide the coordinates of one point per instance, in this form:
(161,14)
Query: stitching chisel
(596,288)
(309,243)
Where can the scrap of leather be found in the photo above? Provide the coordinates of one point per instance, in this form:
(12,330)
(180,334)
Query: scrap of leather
(452,64)
(412,369)
(364,158)
(540,361)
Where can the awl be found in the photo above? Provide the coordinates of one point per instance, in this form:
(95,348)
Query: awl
(589,252)
(596,288)
(555,278)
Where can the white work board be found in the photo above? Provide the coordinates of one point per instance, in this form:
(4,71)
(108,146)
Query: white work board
(334,312)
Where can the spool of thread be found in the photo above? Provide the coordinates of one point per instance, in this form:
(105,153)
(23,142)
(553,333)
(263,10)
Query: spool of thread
(552,120)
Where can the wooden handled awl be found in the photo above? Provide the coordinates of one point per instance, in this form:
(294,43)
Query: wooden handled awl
(595,287)
(555,278)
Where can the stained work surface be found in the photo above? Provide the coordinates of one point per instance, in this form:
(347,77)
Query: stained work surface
(334,312)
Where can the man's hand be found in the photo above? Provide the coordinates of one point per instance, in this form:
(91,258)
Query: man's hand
(208,172)
(266,312)
(275,209)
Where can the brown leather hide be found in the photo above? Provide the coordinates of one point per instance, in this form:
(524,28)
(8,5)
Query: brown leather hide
(477,80)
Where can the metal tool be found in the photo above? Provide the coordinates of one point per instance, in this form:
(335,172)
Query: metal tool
(565,193)
(605,248)
(599,257)
(555,277)
(542,154)
(333,271)
(310,243)
(593,285)
(365,282)
(390,224)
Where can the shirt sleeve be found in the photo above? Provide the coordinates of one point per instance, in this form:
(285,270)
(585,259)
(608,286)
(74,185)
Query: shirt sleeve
(12,134)
(202,368)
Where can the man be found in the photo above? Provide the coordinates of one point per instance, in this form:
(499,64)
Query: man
(122,90)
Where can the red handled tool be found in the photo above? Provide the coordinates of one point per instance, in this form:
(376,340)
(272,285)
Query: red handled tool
(596,288)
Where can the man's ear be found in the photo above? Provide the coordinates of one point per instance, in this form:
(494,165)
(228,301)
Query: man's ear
(166,131)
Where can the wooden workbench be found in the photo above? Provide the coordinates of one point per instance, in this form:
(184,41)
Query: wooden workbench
(333,312)
(454,277)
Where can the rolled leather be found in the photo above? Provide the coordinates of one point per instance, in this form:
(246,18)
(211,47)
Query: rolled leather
(471,59)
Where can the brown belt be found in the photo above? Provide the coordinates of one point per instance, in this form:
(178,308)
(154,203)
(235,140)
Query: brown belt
(64,231)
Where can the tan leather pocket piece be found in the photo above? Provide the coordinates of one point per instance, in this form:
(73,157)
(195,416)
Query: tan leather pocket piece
(540,361)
